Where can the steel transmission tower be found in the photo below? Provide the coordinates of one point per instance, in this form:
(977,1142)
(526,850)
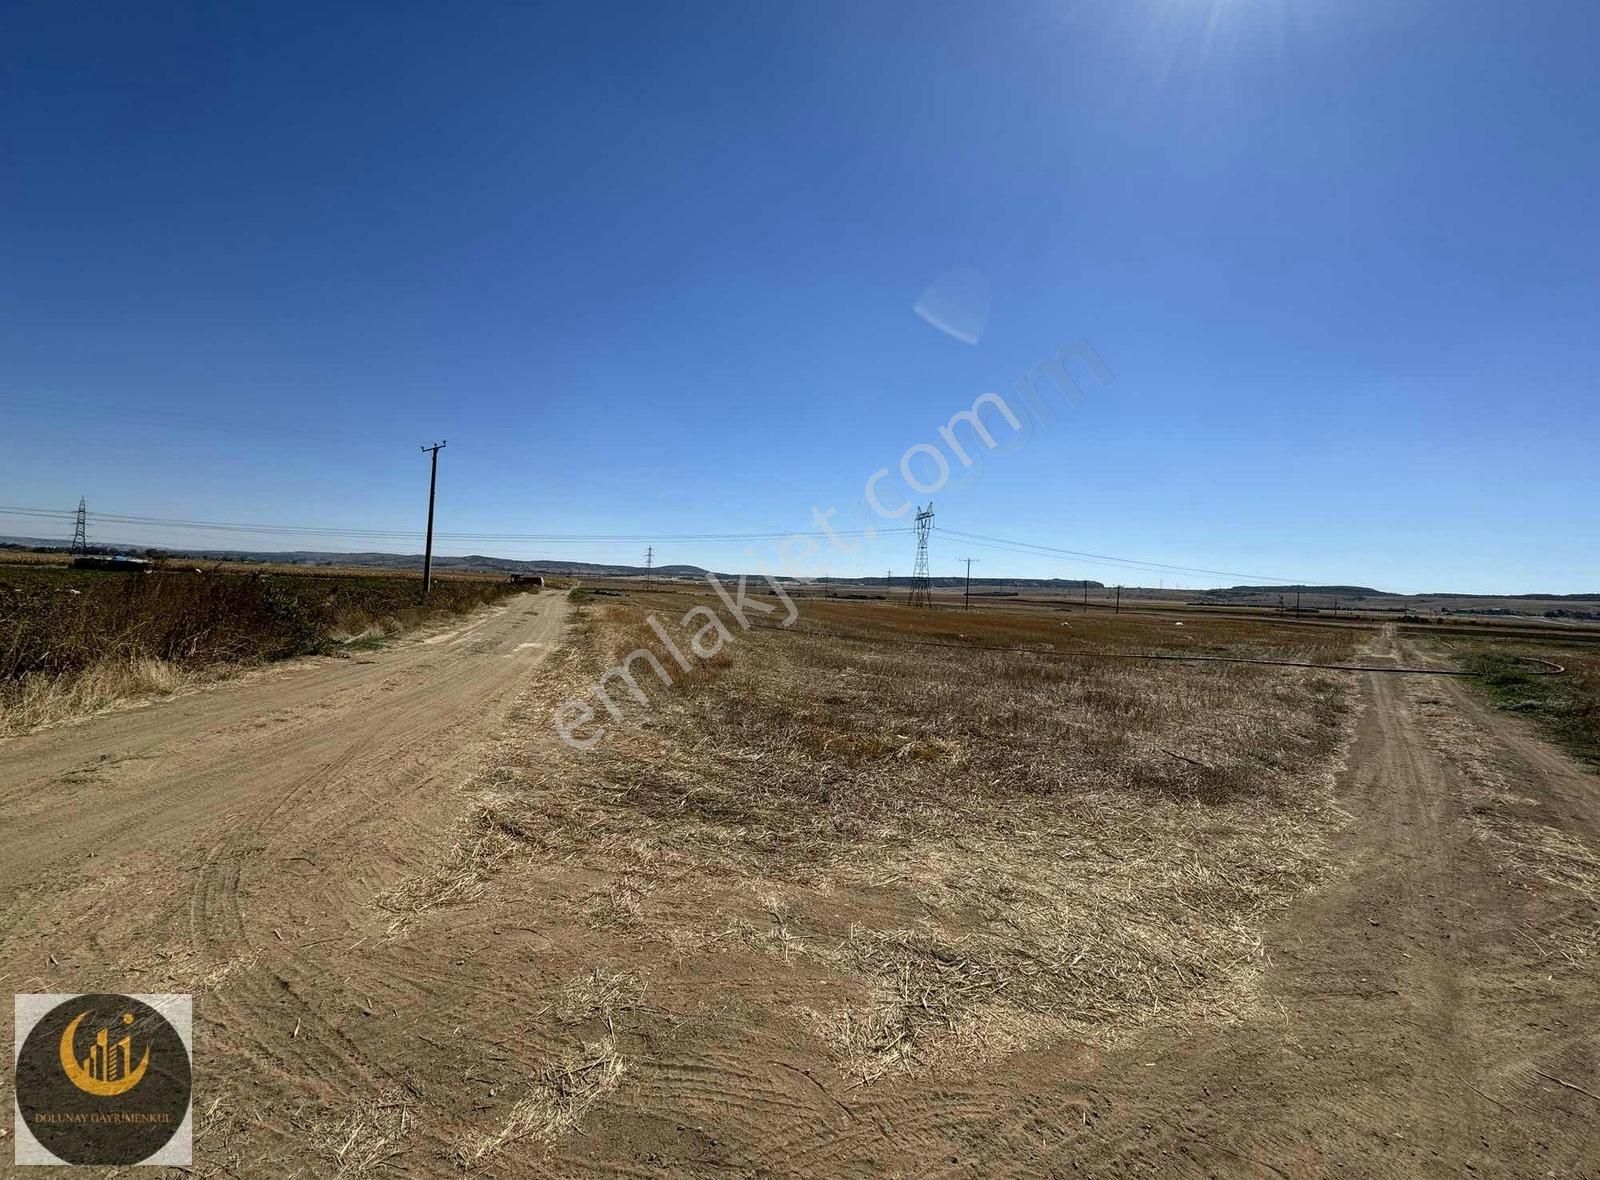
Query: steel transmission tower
(649,567)
(80,530)
(921,584)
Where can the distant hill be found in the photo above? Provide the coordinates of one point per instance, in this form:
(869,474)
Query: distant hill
(1334,591)
(474,563)
(481,563)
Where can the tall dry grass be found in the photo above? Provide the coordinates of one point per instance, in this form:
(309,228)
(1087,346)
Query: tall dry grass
(37,700)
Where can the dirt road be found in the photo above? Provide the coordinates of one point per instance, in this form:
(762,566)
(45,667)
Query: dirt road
(224,842)
(268,753)
(1431,1011)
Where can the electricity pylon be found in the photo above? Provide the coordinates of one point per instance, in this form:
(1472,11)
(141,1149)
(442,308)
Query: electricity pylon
(921,583)
(80,530)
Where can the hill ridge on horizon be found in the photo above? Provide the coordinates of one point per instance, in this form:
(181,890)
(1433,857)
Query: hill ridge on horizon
(484,563)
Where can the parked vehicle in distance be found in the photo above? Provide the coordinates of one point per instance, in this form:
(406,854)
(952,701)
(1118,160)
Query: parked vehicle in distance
(118,564)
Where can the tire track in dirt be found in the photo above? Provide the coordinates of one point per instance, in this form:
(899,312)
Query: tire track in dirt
(251,853)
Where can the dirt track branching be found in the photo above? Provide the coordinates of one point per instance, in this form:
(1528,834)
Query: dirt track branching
(1568,707)
(1524,837)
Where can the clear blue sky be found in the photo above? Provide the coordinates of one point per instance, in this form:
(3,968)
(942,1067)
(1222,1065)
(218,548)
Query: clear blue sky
(654,269)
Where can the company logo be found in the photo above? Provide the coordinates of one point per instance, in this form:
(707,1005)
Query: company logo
(103,1079)
(108,1070)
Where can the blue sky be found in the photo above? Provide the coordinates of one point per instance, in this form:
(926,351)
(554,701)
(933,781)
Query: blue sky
(654,270)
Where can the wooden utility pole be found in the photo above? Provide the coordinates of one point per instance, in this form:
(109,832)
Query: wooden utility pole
(1118,609)
(427,552)
(969,561)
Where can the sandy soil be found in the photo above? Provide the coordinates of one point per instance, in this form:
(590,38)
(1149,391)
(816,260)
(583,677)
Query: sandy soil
(1415,1019)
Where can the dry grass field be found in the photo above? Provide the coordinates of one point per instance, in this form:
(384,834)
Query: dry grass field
(906,866)
(920,858)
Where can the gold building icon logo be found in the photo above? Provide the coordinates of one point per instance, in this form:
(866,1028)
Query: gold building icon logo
(107,1069)
(102,1079)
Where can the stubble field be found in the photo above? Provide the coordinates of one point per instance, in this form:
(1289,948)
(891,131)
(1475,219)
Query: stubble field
(870,850)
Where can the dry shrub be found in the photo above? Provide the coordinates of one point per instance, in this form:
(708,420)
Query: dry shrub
(799,752)
(1089,933)
(923,988)
(555,1104)
(1532,849)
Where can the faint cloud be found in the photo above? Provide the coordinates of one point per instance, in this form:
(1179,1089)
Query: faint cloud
(957,303)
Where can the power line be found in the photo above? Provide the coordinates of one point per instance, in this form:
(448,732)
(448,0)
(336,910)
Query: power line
(1033,548)
(980,540)
(405,534)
